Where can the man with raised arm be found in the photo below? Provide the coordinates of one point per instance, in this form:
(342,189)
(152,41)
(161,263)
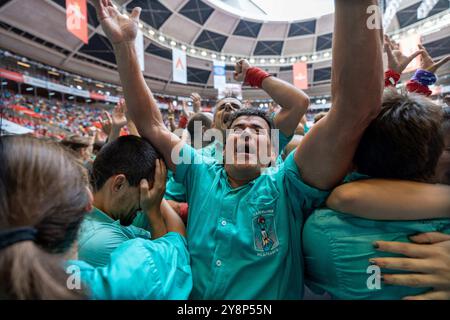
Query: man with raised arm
(244,229)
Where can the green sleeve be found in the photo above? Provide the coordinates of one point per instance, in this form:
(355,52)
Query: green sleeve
(141,269)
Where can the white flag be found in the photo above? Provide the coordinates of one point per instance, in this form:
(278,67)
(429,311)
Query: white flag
(179,66)
(220,79)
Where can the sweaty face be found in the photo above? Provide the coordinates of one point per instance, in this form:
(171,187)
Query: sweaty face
(248,147)
(224,110)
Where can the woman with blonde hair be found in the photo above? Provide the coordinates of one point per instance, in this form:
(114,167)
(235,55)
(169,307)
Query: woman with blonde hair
(44,196)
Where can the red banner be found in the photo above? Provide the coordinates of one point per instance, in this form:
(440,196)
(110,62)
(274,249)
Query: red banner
(76,19)
(26,111)
(300,75)
(97,96)
(10,75)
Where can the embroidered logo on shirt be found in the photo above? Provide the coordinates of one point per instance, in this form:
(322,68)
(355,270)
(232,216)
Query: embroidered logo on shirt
(264,233)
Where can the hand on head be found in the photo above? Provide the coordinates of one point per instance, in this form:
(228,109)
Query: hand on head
(151,197)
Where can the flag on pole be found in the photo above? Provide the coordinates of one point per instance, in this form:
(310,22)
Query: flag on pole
(76,19)
(220,79)
(300,72)
(179,67)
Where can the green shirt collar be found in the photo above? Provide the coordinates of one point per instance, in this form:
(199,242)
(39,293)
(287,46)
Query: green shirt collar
(100,216)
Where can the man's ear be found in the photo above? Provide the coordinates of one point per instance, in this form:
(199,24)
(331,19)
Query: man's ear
(118,182)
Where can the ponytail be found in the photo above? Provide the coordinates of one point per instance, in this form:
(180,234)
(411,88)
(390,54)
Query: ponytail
(28,272)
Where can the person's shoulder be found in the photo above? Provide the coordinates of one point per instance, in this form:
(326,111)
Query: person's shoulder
(158,251)
(101,234)
(138,232)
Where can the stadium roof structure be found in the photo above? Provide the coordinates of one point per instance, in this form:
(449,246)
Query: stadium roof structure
(206,30)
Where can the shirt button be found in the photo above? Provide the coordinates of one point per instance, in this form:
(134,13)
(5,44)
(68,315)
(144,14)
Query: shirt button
(218,263)
(224,223)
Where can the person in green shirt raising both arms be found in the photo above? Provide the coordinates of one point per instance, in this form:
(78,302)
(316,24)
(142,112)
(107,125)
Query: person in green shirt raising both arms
(244,227)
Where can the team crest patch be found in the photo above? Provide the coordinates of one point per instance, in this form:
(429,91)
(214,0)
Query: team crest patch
(264,233)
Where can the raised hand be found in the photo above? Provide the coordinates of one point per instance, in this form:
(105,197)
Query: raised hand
(240,70)
(106,123)
(119,118)
(427,62)
(397,61)
(150,198)
(118,27)
(197,101)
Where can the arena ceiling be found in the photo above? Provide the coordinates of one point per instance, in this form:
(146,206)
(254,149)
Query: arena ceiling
(36,29)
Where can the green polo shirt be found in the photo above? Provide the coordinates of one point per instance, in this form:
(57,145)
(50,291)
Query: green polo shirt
(337,248)
(176,192)
(140,269)
(100,235)
(245,243)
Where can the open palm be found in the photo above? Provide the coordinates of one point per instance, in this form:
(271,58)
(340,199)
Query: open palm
(427,62)
(118,27)
(118,117)
(397,61)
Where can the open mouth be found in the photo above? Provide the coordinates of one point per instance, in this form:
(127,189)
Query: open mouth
(245,148)
(226,117)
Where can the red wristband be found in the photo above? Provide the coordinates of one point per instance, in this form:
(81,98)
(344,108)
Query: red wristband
(414,86)
(255,76)
(184,209)
(183,122)
(391,78)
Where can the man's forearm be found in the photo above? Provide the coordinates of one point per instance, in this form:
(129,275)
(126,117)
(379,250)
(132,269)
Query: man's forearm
(294,103)
(141,105)
(114,133)
(357,70)
(391,200)
(157,224)
(172,219)
(132,129)
(327,151)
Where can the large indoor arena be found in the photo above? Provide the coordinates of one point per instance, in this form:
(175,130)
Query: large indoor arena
(225,150)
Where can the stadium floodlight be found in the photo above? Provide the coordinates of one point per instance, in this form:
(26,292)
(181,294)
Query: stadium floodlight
(425,7)
(23,64)
(391,9)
